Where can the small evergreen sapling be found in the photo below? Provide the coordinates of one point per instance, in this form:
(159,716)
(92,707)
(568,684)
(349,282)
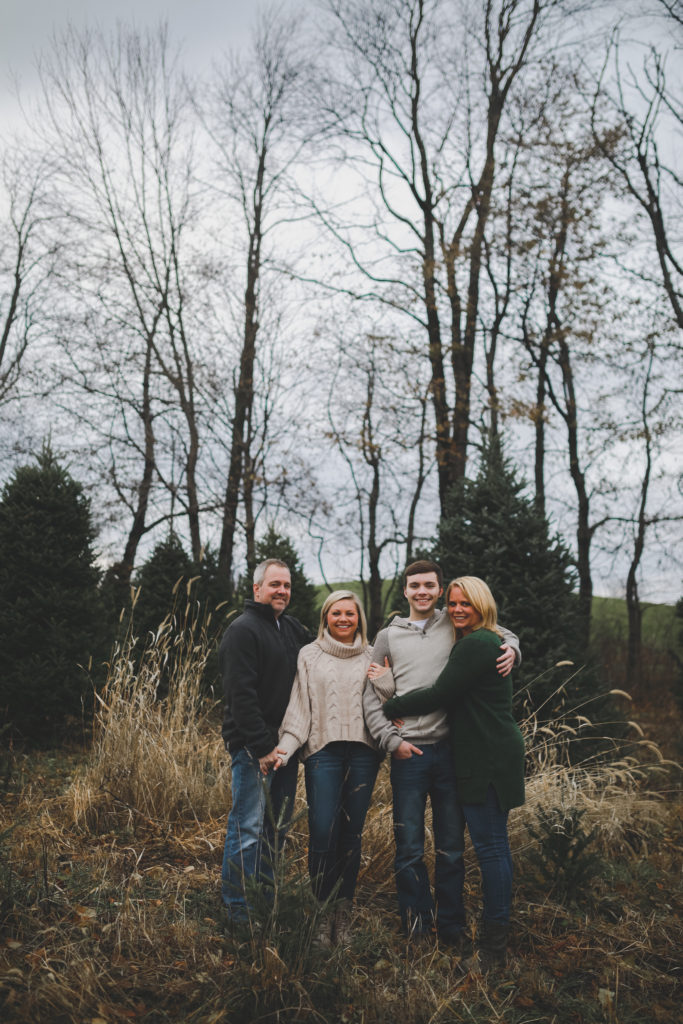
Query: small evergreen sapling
(565,855)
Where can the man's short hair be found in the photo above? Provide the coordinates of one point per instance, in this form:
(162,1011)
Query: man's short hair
(262,568)
(422,565)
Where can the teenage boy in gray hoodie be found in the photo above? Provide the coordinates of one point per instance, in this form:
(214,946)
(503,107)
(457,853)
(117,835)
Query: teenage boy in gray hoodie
(415,650)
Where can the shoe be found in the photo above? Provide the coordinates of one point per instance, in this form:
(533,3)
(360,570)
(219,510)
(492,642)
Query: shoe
(493,944)
(458,941)
(322,940)
(343,932)
(419,938)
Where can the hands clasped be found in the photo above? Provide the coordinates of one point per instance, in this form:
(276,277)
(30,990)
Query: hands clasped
(271,761)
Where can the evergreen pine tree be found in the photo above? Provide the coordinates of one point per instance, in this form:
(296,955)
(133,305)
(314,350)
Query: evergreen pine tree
(492,531)
(169,581)
(304,604)
(51,619)
(195,595)
(162,581)
(212,591)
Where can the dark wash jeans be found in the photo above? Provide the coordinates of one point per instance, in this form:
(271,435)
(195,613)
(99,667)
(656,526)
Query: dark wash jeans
(413,781)
(488,830)
(259,803)
(339,783)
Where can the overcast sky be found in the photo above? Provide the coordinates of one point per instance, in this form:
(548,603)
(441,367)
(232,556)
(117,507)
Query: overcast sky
(206,27)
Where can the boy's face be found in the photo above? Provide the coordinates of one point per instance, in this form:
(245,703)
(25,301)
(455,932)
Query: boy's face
(422,591)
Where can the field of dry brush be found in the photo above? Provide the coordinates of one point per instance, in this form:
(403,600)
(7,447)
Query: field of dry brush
(109,887)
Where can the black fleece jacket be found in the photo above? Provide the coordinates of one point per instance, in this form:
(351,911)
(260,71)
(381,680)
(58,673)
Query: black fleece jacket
(257,659)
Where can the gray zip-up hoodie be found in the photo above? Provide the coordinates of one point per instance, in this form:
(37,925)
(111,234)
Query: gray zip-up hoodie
(416,654)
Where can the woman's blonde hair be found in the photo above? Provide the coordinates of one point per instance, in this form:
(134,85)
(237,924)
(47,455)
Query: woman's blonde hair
(344,595)
(480,597)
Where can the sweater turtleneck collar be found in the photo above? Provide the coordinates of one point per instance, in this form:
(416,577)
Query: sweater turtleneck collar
(339,650)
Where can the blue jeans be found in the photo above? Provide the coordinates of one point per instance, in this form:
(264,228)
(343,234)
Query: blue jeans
(257,824)
(413,780)
(487,826)
(339,783)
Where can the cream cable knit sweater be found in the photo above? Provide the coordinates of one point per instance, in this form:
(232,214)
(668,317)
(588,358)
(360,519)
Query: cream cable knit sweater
(326,704)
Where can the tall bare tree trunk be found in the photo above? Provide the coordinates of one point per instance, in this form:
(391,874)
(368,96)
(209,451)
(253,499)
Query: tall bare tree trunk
(634,665)
(244,393)
(584,532)
(251,118)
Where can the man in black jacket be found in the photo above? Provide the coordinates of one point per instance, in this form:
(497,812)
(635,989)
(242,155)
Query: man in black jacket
(257,657)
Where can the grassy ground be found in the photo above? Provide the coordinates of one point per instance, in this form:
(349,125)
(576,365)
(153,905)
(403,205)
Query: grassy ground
(110,910)
(124,923)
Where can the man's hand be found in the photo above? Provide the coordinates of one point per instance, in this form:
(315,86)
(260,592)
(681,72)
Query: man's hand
(405,750)
(272,760)
(375,670)
(506,660)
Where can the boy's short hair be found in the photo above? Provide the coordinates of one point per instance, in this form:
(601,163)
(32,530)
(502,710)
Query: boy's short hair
(422,565)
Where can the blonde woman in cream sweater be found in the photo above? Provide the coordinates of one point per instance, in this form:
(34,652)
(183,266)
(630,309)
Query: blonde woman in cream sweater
(324,720)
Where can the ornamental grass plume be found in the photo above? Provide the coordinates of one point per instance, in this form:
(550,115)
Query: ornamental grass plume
(158,757)
(610,790)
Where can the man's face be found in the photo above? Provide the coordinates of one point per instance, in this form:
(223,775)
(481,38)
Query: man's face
(276,588)
(422,592)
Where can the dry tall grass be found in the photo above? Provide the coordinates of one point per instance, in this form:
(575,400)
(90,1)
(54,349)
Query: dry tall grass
(161,759)
(615,786)
(157,757)
(110,896)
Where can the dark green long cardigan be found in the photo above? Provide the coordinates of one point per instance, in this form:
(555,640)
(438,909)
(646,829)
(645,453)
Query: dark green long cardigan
(487,745)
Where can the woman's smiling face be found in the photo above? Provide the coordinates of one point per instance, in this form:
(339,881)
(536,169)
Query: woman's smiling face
(464,617)
(342,620)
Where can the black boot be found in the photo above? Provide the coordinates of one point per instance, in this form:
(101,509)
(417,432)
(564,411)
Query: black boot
(493,944)
(457,941)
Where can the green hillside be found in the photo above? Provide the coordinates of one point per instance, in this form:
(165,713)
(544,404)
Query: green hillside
(659,626)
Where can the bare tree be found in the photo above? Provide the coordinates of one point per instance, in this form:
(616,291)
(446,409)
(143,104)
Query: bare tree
(561,248)
(115,117)
(377,415)
(650,112)
(26,258)
(650,431)
(250,116)
(635,618)
(673,9)
(417,107)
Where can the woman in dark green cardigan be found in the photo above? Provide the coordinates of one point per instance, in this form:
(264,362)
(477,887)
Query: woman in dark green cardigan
(488,749)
